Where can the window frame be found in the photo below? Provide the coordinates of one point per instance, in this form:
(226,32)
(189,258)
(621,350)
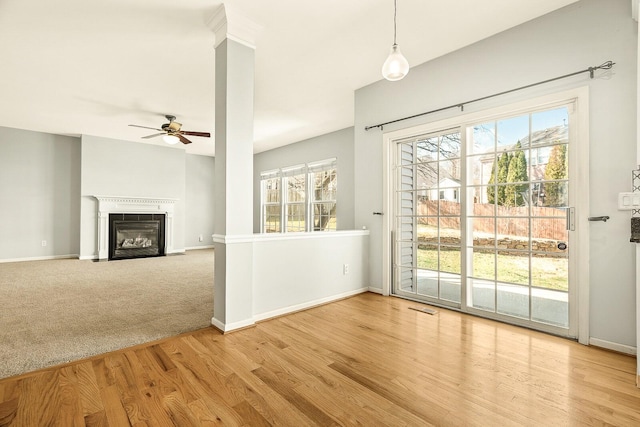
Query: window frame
(309,200)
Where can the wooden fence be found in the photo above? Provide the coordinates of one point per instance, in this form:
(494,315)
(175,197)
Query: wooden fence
(546,223)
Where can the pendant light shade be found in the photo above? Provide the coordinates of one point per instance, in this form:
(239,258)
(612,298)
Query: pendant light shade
(396,66)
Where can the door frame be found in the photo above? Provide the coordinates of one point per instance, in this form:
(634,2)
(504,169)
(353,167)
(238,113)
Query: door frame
(579,165)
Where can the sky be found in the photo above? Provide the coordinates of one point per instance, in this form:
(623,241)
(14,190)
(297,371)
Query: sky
(516,128)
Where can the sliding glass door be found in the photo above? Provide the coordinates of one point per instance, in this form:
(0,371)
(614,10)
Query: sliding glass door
(483,218)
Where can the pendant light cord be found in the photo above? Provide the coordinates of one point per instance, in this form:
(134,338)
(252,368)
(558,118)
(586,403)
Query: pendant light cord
(395,15)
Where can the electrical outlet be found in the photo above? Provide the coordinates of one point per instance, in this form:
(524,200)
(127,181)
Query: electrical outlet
(345,269)
(200,238)
(44,243)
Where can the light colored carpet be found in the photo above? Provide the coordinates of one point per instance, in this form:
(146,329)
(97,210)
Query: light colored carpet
(55,311)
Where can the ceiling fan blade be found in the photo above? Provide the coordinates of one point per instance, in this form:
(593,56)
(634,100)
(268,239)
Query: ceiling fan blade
(145,127)
(153,136)
(204,134)
(183,139)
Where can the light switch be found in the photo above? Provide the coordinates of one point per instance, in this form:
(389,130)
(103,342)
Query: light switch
(628,201)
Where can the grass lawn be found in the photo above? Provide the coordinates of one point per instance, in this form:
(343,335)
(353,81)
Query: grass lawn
(550,273)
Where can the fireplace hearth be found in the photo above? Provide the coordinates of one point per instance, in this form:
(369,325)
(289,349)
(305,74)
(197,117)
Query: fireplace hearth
(136,235)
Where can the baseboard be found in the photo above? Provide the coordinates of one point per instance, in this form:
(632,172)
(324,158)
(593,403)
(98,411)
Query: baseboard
(230,327)
(39,258)
(307,305)
(375,290)
(195,248)
(620,348)
(175,251)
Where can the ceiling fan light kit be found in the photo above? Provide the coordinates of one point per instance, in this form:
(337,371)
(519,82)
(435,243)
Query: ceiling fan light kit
(172,132)
(396,66)
(171,139)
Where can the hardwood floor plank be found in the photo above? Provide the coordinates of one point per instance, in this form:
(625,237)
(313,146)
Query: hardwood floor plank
(83,376)
(250,416)
(97,419)
(367,360)
(8,410)
(115,413)
(315,414)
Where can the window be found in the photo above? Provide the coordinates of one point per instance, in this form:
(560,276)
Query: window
(299,198)
(295,182)
(323,205)
(271,197)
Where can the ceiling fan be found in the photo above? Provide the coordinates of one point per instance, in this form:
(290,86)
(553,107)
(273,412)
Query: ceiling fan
(172,132)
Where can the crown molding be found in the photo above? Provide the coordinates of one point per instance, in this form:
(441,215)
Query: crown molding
(227,24)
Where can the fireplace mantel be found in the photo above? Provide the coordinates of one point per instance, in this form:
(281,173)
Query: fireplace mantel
(122,204)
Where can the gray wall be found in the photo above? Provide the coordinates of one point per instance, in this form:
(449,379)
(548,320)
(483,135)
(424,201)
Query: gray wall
(48,180)
(39,192)
(583,34)
(118,168)
(337,144)
(200,200)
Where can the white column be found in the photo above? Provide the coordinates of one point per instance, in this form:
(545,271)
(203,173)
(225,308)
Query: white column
(233,227)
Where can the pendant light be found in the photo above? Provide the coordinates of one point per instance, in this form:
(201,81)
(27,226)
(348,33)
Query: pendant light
(396,66)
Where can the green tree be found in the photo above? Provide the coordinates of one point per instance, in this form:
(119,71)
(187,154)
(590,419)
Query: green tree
(503,170)
(491,189)
(556,169)
(517,172)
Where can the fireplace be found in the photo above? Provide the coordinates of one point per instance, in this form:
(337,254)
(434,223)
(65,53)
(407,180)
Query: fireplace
(142,207)
(136,235)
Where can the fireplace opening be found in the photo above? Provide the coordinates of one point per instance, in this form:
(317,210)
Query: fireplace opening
(136,236)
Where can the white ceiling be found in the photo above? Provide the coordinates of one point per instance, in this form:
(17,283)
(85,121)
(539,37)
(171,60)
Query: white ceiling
(92,67)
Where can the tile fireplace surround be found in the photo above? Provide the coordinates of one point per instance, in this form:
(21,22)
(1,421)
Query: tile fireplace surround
(132,205)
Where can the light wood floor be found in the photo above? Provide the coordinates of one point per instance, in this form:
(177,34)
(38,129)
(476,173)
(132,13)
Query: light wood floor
(367,360)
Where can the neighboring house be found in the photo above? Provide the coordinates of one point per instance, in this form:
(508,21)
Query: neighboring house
(447,189)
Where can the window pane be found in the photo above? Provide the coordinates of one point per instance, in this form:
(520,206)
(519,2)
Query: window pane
(296,188)
(483,232)
(271,219)
(513,300)
(513,267)
(483,198)
(483,138)
(549,306)
(554,194)
(427,149)
(427,175)
(271,190)
(483,264)
(295,217)
(482,169)
(324,216)
(483,294)
(550,271)
(428,257)
(449,173)
(450,146)
(511,131)
(450,286)
(551,122)
(325,184)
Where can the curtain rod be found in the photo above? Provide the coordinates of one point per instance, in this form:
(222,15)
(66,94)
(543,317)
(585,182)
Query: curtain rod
(604,66)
